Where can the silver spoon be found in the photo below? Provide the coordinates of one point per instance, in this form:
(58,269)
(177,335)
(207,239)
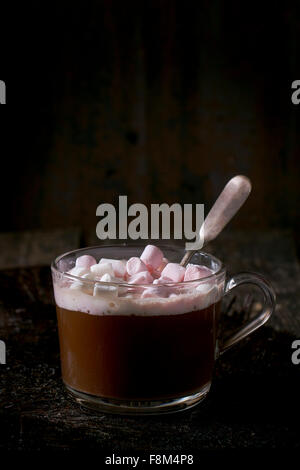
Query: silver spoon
(226,206)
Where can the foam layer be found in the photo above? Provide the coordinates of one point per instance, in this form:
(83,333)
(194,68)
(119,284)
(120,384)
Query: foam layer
(108,303)
(108,293)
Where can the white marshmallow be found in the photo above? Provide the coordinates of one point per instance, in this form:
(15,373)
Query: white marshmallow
(106,278)
(90,276)
(105,291)
(102,268)
(118,266)
(78,271)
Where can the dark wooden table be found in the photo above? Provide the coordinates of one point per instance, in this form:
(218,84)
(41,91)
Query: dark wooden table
(254,400)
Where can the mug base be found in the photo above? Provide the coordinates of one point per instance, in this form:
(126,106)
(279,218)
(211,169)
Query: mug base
(143,407)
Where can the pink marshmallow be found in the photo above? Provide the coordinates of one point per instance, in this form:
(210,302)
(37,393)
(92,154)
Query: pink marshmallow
(157,272)
(174,271)
(163,264)
(135,265)
(85,261)
(162,280)
(152,257)
(143,277)
(194,272)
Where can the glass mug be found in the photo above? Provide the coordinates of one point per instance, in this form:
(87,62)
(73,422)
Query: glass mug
(125,354)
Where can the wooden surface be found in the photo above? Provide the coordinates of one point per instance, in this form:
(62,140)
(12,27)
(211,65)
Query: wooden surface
(254,400)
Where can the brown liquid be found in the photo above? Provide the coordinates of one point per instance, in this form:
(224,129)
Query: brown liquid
(137,357)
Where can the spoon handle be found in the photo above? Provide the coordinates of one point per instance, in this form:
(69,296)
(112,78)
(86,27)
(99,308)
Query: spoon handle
(226,206)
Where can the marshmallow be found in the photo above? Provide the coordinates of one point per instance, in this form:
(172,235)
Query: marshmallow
(85,261)
(143,277)
(87,288)
(89,276)
(109,290)
(162,280)
(77,271)
(162,265)
(194,272)
(106,278)
(118,266)
(152,257)
(135,265)
(173,271)
(101,290)
(153,270)
(157,272)
(102,268)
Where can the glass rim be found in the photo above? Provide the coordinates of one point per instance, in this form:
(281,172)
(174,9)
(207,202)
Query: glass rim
(221,270)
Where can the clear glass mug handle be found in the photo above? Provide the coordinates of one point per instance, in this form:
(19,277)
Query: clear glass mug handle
(261,318)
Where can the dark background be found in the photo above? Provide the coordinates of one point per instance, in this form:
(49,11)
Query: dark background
(162,101)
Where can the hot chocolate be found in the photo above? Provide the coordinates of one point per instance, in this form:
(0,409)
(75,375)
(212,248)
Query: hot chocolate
(137,357)
(141,329)
(137,331)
